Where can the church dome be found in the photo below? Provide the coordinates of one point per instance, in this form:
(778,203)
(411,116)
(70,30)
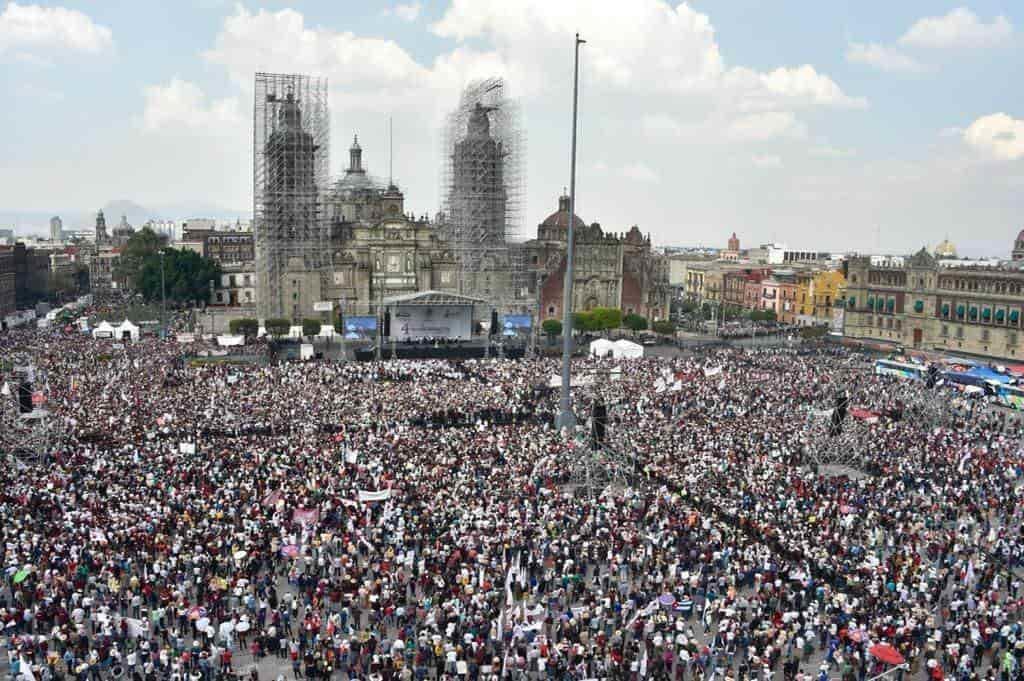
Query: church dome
(1020,235)
(560,218)
(945,249)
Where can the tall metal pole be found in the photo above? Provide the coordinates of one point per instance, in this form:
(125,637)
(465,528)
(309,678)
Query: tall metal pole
(163,299)
(566,417)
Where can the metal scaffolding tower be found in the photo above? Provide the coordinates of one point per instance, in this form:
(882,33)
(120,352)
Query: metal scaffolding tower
(482,189)
(291,165)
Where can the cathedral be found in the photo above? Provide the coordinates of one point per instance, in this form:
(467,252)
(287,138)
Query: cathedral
(610,270)
(377,251)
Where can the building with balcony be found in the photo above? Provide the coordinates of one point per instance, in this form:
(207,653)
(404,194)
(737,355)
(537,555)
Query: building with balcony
(920,305)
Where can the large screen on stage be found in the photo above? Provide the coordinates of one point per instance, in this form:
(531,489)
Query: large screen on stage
(432,321)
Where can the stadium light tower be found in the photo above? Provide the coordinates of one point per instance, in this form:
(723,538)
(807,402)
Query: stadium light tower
(566,417)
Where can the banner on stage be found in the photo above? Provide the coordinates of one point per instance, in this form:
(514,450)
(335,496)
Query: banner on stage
(432,321)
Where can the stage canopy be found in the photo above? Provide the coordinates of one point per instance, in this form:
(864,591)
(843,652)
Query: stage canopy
(442,298)
(432,314)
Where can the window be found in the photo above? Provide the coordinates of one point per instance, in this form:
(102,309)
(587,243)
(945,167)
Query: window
(945,331)
(551,309)
(1011,339)
(899,325)
(959,332)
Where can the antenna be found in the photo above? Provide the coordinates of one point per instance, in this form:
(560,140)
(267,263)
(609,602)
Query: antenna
(391,151)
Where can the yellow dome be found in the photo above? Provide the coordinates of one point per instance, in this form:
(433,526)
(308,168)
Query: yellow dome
(945,249)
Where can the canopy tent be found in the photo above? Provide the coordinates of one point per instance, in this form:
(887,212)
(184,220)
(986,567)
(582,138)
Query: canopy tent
(627,349)
(103,330)
(601,347)
(327,331)
(127,330)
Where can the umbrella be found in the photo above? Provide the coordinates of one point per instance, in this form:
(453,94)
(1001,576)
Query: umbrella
(667,600)
(20,576)
(290,550)
(886,653)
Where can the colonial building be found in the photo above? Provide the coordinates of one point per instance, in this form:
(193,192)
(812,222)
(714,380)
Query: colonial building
(920,305)
(378,251)
(610,270)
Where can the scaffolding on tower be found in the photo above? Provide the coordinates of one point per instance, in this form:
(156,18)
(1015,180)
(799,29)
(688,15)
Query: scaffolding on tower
(291,163)
(482,190)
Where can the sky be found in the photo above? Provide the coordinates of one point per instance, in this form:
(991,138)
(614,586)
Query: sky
(872,126)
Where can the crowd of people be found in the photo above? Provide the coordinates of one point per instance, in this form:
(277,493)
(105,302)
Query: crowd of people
(425,519)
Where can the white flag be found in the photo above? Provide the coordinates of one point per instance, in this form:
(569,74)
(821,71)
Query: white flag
(6,390)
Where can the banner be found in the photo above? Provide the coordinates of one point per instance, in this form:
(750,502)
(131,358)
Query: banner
(367,495)
(305,516)
(187,448)
(432,321)
(708,373)
(227,340)
(323,306)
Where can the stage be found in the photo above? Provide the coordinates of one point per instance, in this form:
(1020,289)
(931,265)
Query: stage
(461,350)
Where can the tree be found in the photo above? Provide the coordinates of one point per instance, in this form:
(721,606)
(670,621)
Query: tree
(604,318)
(277,327)
(634,322)
(246,327)
(186,276)
(551,327)
(310,327)
(664,327)
(143,244)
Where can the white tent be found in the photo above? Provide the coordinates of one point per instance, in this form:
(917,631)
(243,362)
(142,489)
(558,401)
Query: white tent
(601,347)
(103,330)
(126,327)
(326,331)
(627,349)
(226,340)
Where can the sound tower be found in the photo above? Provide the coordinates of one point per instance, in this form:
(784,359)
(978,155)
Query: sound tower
(599,421)
(24,397)
(842,403)
(494,323)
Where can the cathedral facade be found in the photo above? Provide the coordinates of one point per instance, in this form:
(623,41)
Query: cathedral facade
(376,249)
(621,271)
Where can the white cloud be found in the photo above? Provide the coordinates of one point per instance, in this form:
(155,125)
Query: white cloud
(806,83)
(827,151)
(960,28)
(406,11)
(640,172)
(882,58)
(182,104)
(52,28)
(770,161)
(765,126)
(997,136)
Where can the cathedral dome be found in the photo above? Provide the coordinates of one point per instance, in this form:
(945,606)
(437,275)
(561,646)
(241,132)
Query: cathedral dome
(945,249)
(560,218)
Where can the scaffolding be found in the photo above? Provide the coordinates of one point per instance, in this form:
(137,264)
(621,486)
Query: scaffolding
(291,164)
(482,189)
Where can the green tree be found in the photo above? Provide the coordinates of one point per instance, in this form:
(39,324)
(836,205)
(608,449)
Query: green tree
(310,327)
(186,276)
(584,322)
(606,318)
(634,322)
(143,244)
(277,327)
(551,327)
(664,326)
(246,327)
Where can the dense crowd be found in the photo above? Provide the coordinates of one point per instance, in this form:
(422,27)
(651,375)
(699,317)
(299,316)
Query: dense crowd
(424,519)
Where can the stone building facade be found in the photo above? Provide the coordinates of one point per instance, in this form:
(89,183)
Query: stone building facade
(611,270)
(377,251)
(920,305)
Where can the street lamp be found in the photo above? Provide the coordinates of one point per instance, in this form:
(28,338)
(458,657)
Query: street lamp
(566,417)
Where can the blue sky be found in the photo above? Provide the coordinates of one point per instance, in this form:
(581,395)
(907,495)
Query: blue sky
(867,125)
